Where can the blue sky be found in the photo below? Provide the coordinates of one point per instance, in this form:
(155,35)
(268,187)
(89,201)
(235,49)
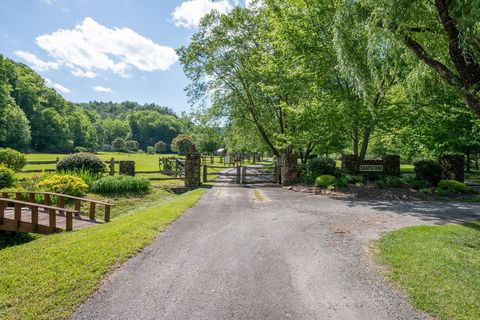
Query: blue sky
(107,50)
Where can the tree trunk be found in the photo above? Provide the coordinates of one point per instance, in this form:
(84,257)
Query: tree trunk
(365,140)
(476,161)
(355,140)
(468,160)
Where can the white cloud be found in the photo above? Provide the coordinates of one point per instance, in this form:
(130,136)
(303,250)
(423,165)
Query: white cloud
(57,86)
(35,62)
(91,46)
(102,89)
(83,74)
(190,12)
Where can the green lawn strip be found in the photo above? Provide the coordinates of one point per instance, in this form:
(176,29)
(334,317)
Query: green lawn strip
(50,277)
(438,266)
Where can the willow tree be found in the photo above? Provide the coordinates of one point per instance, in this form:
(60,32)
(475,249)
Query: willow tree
(442,34)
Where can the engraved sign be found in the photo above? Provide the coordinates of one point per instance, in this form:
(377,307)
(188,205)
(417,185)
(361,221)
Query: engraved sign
(371,168)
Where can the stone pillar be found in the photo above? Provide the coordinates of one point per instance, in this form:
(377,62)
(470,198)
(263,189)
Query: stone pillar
(112,167)
(350,164)
(391,165)
(192,170)
(127,167)
(453,167)
(289,171)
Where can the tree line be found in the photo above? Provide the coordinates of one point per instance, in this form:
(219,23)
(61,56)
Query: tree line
(35,117)
(327,77)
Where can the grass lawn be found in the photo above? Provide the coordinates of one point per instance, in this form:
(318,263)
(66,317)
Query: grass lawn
(438,266)
(49,277)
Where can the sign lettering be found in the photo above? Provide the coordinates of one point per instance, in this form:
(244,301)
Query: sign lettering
(371,168)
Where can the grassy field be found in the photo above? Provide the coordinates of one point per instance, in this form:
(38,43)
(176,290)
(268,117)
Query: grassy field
(439,267)
(49,277)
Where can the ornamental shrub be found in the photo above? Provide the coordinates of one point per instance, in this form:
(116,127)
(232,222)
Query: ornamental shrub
(321,166)
(7,177)
(118,144)
(12,159)
(428,170)
(160,147)
(182,144)
(455,187)
(82,161)
(324,181)
(119,185)
(65,184)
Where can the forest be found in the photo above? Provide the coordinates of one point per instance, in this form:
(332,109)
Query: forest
(37,118)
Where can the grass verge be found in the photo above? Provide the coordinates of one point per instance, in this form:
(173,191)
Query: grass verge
(439,267)
(50,277)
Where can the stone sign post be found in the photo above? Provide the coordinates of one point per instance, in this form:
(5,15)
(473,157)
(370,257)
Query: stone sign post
(388,165)
(289,171)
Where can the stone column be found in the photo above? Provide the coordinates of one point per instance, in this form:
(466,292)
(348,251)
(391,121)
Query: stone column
(453,167)
(391,165)
(289,171)
(192,170)
(127,167)
(350,164)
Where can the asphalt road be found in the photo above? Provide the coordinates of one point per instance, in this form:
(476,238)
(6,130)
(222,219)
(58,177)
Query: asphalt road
(267,254)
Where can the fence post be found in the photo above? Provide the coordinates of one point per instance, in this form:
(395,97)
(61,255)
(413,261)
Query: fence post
(205,173)
(237,180)
(244,175)
(112,166)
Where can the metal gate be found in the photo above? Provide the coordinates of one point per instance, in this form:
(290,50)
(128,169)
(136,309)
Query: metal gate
(241,174)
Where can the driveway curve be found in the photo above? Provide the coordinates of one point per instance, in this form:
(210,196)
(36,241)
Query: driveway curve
(267,253)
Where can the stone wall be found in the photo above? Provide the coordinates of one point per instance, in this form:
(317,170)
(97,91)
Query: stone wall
(127,167)
(289,171)
(388,165)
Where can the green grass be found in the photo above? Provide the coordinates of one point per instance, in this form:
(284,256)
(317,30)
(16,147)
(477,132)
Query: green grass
(439,267)
(48,278)
(473,176)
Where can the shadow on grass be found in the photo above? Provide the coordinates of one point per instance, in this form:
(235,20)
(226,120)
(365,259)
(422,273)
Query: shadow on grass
(10,239)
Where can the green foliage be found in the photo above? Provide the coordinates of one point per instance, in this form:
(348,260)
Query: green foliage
(7,177)
(118,185)
(160,147)
(12,159)
(321,166)
(86,175)
(131,145)
(182,144)
(354,179)
(428,170)
(416,183)
(341,182)
(82,161)
(325,181)
(118,144)
(454,187)
(65,184)
(150,150)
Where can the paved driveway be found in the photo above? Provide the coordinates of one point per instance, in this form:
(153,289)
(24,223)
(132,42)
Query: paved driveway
(267,254)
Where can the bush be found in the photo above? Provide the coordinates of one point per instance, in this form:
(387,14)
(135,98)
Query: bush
(120,185)
(324,181)
(12,159)
(86,175)
(354,179)
(160,147)
(82,161)
(7,177)
(428,170)
(321,166)
(417,184)
(150,150)
(64,184)
(341,182)
(131,145)
(453,186)
(118,144)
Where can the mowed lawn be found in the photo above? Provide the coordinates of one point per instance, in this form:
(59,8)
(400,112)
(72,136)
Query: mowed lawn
(49,277)
(438,266)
